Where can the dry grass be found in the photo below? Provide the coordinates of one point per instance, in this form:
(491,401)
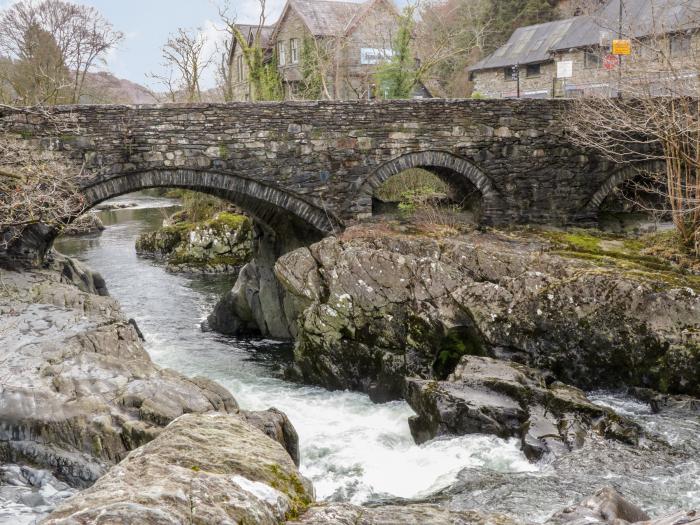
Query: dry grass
(412,181)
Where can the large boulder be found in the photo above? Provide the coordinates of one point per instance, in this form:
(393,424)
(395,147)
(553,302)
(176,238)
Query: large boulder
(79,391)
(85,224)
(409,514)
(220,244)
(203,468)
(486,396)
(372,308)
(608,506)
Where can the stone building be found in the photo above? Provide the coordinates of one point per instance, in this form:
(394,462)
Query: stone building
(571,57)
(240,86)
(345,41)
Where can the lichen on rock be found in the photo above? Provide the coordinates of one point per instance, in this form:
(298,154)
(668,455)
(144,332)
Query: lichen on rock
(372,309)
(220,244)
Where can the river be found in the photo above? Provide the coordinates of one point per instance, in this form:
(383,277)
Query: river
(352,449)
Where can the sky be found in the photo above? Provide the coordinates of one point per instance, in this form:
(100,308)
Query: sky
(146,25)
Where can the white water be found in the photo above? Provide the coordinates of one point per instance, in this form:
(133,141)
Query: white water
(351,448)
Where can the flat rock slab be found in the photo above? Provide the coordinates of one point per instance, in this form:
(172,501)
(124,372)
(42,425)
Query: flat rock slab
(203,468)
(415,514)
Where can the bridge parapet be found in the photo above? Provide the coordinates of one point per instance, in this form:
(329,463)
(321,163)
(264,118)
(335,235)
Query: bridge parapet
(318,162)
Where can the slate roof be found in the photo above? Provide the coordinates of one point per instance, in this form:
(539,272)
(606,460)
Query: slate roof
(325,17)
(532,44)
(526,45)
(249,30)
(639,18)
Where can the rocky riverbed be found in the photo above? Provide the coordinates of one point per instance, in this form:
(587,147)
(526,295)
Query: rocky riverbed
(197,445)
(79,392)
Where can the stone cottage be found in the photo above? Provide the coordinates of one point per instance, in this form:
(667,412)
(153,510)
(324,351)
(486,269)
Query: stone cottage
(572,57)
(345,41)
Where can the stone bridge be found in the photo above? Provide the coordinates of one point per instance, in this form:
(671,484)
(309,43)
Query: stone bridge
(315,165)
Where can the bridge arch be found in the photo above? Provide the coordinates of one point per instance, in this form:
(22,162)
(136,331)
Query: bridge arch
(443,164)
(625,173)
(273,208)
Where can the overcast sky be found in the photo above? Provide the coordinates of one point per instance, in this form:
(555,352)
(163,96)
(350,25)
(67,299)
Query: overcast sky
(147,23)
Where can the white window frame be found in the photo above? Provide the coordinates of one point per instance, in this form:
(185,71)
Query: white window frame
(239,68)
(281,53)
(370,56)
(294,50)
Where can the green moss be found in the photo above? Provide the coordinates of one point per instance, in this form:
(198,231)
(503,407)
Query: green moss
(96,446)
(617,252)
(223,151)
(293,488)
(456,343)
(230,221)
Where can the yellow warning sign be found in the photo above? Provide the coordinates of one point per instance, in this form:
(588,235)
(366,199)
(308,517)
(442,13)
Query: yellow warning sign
(621,47)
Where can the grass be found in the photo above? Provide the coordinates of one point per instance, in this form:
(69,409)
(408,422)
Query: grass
(651,257)
(412,181)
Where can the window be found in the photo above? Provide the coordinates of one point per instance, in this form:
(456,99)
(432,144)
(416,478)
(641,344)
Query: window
(592,59)
(281,54)
(510,74)
(371,55)
(239,68)
(680,44)
(532,70)
(294,45)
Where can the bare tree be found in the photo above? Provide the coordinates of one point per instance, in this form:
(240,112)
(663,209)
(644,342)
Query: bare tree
(653,124)
(185,62)
(80,32)
(36,186)
(449,36)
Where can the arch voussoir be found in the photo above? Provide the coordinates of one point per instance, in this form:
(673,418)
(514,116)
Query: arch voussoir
(435,159)
(262,201)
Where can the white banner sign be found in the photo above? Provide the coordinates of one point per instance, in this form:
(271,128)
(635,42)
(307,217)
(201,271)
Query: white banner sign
(565,69)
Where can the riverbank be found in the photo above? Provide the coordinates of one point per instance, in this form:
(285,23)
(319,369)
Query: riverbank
(374,306)
(79,391)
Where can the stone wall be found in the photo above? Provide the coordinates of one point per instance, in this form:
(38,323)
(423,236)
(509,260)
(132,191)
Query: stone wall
(317,163)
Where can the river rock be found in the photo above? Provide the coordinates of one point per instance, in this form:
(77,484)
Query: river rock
(109,206)
(27,494)
(609,506)
(221,244)
(203,468)
(372,308)
(257,305)
(79,391)
(487,396)
(410,514)
(85,224)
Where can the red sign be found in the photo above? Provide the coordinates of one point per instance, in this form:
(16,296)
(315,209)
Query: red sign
(610,62)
